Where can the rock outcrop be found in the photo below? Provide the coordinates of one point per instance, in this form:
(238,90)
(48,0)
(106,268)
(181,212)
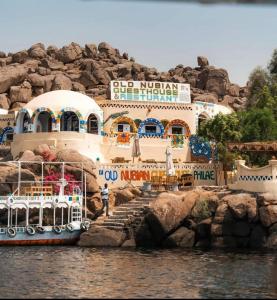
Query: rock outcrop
(29,73)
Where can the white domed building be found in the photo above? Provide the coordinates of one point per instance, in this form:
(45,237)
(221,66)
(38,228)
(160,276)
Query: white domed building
(62,119)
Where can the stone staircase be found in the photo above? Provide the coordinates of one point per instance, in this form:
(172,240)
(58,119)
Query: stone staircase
(126,215)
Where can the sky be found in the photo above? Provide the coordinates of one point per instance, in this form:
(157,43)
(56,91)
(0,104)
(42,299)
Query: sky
(160,34)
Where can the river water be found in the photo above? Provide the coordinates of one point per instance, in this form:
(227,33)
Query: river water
(73,272)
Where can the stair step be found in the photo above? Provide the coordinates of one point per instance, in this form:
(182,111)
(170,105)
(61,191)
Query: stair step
(118,219)
(113,223)
(117,228)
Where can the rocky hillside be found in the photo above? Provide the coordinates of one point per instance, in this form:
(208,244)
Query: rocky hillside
(29,73)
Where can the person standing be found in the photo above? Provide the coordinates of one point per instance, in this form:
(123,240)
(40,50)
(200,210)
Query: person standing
(105,198)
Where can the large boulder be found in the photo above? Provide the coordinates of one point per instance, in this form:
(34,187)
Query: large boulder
(202,61)
(182,237)
(4,101)
(91,50)
(217,81)
(268,215)
(98,236)
(107,49)
(69,155)
(70,53)
(169,210)
(242,206)
(20,57)
(61,82)
(37,51)
(11,75)
(22,93)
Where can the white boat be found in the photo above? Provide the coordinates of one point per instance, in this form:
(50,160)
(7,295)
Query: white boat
(46,210)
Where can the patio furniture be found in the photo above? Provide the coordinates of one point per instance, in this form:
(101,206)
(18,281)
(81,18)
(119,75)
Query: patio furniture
(186,180)
(171,181)
(120,160)
(155,182)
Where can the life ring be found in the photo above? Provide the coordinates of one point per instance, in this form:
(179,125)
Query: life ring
(40,229)
(57,229)
(84,227)
(70,227)
(11,232)
(30,230)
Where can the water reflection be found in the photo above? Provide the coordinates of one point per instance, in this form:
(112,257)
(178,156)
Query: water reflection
(70,272)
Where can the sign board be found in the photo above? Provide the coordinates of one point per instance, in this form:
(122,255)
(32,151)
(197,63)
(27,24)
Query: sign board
(118,175)
(152,91)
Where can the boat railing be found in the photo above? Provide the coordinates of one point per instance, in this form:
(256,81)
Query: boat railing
(38,198)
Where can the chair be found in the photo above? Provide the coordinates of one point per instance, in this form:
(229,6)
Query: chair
(186,180)
(170,181)
(155,182)
(118,160)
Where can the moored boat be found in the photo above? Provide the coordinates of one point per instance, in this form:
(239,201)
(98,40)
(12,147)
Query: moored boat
(47,210)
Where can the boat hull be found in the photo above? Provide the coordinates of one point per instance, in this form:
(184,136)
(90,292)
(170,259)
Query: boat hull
(46,238)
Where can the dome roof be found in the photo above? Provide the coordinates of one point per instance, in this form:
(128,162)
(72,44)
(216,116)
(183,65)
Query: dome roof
(62,99)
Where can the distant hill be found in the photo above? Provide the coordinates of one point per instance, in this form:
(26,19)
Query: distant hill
(29,73)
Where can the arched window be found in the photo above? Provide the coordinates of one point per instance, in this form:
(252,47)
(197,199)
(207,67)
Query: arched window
(92,124)
(202,118)
(69,121)
(43,122)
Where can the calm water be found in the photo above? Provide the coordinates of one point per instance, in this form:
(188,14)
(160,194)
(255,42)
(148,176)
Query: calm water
(70,272)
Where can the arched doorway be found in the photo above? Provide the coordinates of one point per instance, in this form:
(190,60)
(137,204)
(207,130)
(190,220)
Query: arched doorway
(23,122)
(92,124)
(69,121)
(203,117)
(43,122)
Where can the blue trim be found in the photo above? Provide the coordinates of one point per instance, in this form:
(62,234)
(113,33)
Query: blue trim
(4,132)
(154,121)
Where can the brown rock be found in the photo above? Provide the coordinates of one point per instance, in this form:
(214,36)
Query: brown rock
(70,53)
(268,215)
(52,51)
(37,53)
(61,82)
(91,50)
(105,48)
(21,93)
(11,75)
(101,237)
(233,90)
(223,214)
(2,54)
(242,205)
(202,61)
(211,98)
(20,57)
(217,81)
(68,155)
(182,237)
(78,87)
(4,101)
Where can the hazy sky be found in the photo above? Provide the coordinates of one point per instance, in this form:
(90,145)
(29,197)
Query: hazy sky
(159,34)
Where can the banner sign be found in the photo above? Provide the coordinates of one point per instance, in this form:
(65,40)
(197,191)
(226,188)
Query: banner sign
(153,91)
(118,175)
